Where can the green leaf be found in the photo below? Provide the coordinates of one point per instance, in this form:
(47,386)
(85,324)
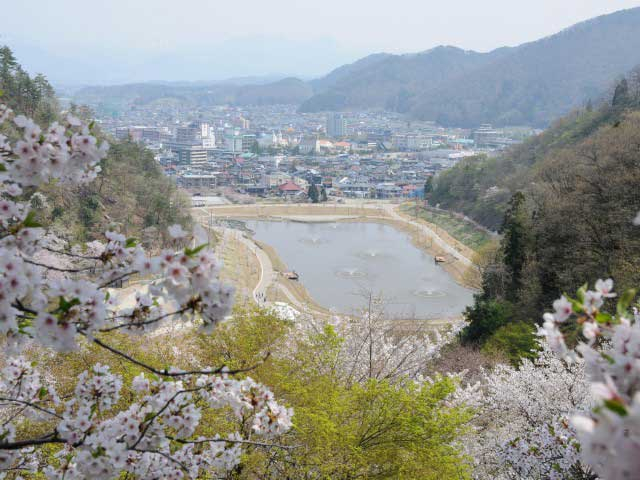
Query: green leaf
(616,406)
(576,305)
(1,92)
(42,393)
(191,252)
(581,292)
(131,242)
(3,167)
(608,358)
(98,452)
(602,317)
(149,416)
(30,220)
(65,306)
(625,300)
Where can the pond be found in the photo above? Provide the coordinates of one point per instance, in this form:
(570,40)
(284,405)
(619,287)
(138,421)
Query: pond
(340,263)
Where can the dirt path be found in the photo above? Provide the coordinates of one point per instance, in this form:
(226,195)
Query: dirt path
(269,279)
(442,243)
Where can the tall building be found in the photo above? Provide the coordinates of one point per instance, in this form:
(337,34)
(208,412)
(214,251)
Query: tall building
(248,142)
(486,135)
(233,142)
(336,125)
(192,143)
(189,135)
(308,144)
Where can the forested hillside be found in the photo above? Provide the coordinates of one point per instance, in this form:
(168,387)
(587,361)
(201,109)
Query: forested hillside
(22,93)
(481,187)
(391,82)
(531,84)
(566,201)
(131,193)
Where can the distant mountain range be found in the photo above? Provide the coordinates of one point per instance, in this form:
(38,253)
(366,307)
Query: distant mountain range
(531,84)
(291,91)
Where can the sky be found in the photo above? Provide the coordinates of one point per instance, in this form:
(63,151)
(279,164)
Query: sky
(118,41)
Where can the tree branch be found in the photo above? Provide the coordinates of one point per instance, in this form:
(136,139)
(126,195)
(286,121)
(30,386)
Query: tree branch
(166,373)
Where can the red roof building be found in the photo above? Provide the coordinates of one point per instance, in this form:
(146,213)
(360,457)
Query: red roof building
(289,188)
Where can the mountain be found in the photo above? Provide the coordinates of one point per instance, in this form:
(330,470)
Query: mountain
(480,187)
(286,91)
(530,84)
(390,82)
(290,90)
(565,201)
(345,71)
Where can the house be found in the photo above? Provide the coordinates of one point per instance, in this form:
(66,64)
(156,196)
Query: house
(343,146)
(409,190)
(388,190)
(289,189)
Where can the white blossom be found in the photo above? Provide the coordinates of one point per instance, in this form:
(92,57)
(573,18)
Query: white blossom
(609,434)
(152,431)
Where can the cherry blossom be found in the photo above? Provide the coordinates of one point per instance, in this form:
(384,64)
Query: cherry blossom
(521,427)
(153,431)
(375,348)
(609,433)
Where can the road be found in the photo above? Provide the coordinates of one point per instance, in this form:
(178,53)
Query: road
(268,275)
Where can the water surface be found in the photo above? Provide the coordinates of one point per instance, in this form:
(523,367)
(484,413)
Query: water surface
(339,262)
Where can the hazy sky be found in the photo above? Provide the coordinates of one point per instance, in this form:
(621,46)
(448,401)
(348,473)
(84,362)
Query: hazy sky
(107,41)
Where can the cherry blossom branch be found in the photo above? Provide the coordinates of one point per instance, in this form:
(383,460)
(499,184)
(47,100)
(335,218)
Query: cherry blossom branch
(165,455)
(69,254)
(18,305)
(167,373)
(20,444)
(143,323)
(57,269)
(116,279)
(29,404)
(162,410)
(239,442)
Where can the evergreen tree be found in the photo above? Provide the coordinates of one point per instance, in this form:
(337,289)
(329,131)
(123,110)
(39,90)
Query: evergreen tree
(515,242)
(621,94)
(8,66)
(428,186)
(255,148)
(33,97)
(313,193)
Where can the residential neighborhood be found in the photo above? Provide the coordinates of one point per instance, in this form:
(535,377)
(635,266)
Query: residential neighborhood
(276,152)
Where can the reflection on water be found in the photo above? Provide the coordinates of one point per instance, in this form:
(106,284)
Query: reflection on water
(350,273)
(337,263)
(314,240)
(372,254)
(428,293)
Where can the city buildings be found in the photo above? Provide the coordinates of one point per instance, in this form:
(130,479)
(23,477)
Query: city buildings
(336,125)
(256,150)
